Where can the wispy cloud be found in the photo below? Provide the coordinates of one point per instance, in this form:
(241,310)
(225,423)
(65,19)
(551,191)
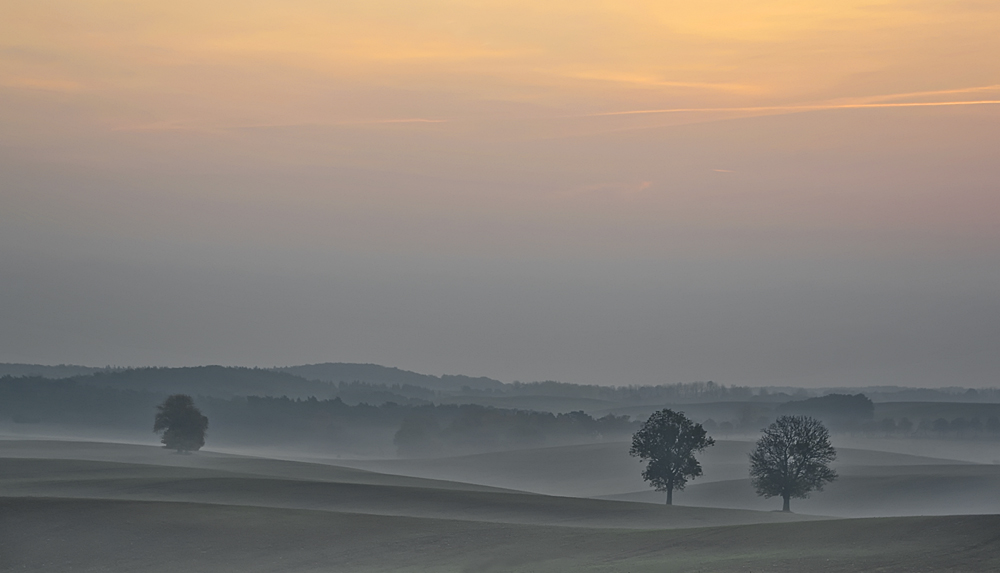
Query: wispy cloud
(646,80)
(45,84)
(178,126)
(975,89)
(795,108)
(409,120)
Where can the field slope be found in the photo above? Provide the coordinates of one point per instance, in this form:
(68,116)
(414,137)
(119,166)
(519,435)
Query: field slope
(100,507)
(593,470)
(56,535)
(153,474)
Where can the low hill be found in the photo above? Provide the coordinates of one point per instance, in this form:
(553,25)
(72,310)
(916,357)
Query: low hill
(864,492)
(45,371)
(43,407)
(110,508)
(373,373)
(85,460)
(600,469)
(114,536)
(216,381)
(555,404)
(237,480)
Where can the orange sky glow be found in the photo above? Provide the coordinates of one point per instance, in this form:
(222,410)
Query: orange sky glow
(230,64)
(545,131)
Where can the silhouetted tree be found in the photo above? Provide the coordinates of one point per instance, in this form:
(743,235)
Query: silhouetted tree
(941,426)
(182,424)
(669,441)
(888,426)
(792,458)
(976,425)
(993,424)
(905,426)
(959,426)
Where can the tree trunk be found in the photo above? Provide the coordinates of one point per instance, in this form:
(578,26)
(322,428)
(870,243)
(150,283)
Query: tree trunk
(785,507)
(670,496)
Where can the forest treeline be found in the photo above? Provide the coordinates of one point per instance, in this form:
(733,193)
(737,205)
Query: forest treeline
(310,423)
(367,383)
(375,384)
(415,425)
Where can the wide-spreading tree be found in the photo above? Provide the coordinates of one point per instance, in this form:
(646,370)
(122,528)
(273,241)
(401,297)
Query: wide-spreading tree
(792,459)
(669,441)
(182,424)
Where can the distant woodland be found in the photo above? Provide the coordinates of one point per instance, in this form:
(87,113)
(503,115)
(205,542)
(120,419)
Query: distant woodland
(365,409)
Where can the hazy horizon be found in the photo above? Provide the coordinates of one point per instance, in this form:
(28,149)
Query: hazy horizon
(782,193)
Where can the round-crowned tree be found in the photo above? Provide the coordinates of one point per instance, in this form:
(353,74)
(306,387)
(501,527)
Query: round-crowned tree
(792,458)
(182,424)
(669,440)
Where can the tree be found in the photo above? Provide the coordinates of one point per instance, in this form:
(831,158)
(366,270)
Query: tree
(182,424)
(791,459)
(839,411)
(669,441)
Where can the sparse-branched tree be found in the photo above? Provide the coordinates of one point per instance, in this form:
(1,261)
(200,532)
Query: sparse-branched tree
(792,459)
(669,441)
(182,424)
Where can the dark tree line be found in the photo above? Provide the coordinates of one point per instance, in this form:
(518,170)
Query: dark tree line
(681,392)
(37,400)
(428,429)
(959,427)
(841,412)
(319,424)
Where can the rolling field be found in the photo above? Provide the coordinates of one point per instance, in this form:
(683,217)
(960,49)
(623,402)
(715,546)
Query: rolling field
(79,506)
(109,536)
(604,469)
(864,492)
(233,480)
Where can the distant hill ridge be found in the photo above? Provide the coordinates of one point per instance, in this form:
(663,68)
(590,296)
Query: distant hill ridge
(319,380)
(376,374)
(217,381)
(383,384)
(58,371)
(314,380)
(373,383)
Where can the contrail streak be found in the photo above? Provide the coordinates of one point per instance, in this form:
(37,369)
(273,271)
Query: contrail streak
(936,92)
(797,107)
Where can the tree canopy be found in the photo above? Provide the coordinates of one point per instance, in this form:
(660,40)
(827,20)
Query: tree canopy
(839,411)
(792,459)
(182,424)
(669,441)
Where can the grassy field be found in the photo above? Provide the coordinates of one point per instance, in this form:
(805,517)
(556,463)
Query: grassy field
(232,480)
(57,535)
(78,506)
(864,492)
(605,469)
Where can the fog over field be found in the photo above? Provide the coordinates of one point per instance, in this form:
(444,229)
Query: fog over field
(396,470)
(539,509)
(504,285)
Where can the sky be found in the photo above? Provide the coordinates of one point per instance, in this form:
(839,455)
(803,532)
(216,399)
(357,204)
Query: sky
(751,192)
